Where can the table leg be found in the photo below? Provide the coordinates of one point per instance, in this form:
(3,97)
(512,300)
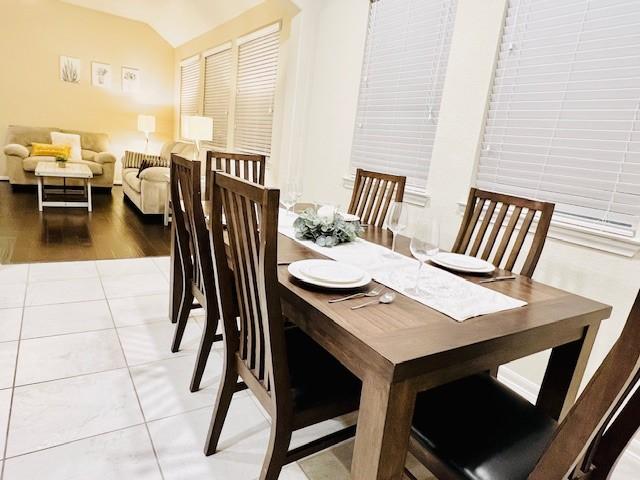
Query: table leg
(384,424)
(89,193)
(40,194)
(564,374)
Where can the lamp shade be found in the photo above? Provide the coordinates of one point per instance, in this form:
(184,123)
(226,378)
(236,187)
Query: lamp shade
(197,128)
(146,123)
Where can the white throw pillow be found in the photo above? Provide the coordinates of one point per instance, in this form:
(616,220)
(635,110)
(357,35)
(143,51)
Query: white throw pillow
(71,139)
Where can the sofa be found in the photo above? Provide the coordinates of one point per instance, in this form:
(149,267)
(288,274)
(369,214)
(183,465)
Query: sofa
(148,191)
(21,165)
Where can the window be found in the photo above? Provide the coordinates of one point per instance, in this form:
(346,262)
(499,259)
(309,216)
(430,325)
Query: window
(564,117)
(403,73)
(189,86)
(255,91)
(217,92)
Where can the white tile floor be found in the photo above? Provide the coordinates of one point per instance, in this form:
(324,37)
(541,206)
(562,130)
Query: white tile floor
(90,390)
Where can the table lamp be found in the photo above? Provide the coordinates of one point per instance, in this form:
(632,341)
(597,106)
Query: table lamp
(197,129)
(146,125)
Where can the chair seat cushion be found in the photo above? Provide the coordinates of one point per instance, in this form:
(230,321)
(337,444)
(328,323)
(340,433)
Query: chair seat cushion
(29,164)
(481,429)
(318,379)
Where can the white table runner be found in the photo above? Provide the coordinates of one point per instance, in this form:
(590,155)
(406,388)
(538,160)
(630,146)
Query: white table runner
(448,293)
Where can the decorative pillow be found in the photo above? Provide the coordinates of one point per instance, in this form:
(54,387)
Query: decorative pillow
(70,139)
(49,150)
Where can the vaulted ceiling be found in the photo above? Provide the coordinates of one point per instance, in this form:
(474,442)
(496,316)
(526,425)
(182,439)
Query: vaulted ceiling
(177,21)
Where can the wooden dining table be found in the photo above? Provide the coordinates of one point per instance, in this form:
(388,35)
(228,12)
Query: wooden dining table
(405,347)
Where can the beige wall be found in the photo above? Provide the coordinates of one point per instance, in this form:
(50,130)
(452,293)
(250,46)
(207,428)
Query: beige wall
(264,14)
(34,33)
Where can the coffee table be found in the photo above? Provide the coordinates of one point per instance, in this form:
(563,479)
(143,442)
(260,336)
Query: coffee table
(70,170)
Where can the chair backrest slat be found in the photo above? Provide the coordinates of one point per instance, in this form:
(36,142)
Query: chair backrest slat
(482,207)
(483,229)
(251,212)
(582,433)
(249,167)
(372,194)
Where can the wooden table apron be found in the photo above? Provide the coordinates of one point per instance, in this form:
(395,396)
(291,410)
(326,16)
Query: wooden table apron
(400,349)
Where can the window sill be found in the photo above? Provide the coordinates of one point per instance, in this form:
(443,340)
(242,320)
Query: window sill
(588,237)
(412,195)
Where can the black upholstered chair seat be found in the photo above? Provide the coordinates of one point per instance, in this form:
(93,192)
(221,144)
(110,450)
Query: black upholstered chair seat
(316,377)
(482,429)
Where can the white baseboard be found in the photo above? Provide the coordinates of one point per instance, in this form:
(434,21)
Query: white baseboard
(529,390)
(4,178)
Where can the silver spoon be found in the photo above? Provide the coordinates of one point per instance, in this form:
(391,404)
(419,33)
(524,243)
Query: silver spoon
(371,293)
(385,299)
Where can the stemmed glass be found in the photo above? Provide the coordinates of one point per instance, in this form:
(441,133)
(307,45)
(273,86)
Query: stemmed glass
(424,246)
(292,193)
(397,222)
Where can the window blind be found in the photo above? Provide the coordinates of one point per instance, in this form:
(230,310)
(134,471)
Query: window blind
(217,91)
(564,117)
(189,87)
(405,61)
(255,91)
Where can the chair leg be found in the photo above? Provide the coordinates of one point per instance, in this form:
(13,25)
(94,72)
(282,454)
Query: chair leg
(223,400)
(277,451)
(208,337)
(183,316)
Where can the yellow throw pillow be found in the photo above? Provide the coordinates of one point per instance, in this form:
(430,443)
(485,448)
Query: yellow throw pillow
(49,150)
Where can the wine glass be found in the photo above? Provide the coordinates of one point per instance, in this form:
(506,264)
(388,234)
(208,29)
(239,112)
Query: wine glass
(397,222)
(424,246)
(292,193)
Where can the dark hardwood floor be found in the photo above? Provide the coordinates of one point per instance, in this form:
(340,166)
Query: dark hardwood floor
(115,229)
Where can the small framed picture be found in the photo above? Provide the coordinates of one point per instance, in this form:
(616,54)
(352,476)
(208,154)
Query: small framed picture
(101,75)
(69,69)
(130,80)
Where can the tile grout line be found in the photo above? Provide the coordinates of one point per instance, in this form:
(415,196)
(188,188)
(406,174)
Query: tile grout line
(15,374)
(133,384)
(97,372)
(95,435)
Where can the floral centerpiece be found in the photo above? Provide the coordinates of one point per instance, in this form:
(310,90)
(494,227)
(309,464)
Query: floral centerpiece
(326,227)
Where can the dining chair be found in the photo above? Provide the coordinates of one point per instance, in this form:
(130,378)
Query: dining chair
(297,382)
(485,208)
(372,194)
(249,167)
(476,428)
(194,250)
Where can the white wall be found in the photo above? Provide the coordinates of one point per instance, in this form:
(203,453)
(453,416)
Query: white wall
(329,113)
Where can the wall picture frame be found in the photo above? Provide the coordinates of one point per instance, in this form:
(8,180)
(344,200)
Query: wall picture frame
(130,80)
(101,75)
(69,69)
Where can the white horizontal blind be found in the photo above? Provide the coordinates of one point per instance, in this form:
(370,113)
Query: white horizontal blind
(564,117)
(405,61)
(189,87)
(255,91)
(217,91)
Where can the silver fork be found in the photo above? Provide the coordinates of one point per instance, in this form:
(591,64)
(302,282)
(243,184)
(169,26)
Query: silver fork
(371,293)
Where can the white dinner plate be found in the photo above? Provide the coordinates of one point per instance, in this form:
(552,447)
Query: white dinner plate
(349,217)
(338,275)
(332,272)
(462,263)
